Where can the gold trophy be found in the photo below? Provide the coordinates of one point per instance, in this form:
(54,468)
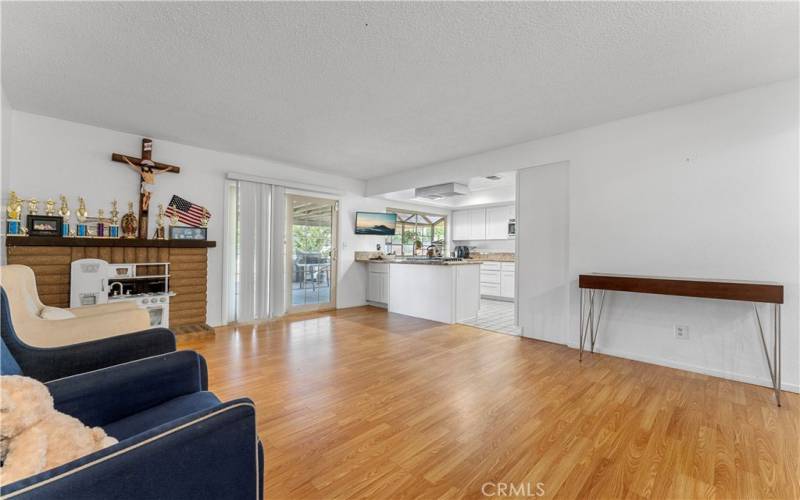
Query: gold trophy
(64,208)
(159,234)
(14,207)
(204,219)
(64,212)
(113,228)
(173,219)
(82,214)
(13,214)
(33,206)
(129,223)
(50,207)
(114,212)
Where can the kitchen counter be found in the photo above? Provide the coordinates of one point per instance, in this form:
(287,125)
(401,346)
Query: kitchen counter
(440,291)
(425,262)
(418,260)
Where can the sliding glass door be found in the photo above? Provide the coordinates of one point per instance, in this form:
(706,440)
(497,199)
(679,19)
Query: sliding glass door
(311,253)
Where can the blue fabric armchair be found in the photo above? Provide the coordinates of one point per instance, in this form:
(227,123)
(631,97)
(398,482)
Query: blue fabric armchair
(51,363)
(176,440)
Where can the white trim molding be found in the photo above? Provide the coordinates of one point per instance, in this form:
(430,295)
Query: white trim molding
(313,188)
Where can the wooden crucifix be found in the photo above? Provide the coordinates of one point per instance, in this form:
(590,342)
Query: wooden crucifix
(147,170)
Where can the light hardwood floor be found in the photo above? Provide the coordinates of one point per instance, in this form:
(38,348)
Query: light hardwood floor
(362,403)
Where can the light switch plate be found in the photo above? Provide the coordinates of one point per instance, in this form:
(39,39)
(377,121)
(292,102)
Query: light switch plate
(682,332)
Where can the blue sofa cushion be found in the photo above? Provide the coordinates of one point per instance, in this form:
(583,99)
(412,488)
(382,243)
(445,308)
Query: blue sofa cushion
(161,414)
(8,365)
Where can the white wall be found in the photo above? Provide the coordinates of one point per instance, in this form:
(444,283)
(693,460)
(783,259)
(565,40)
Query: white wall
(353,286)
(543,235)
(708,189)
(5,166)
(50,157)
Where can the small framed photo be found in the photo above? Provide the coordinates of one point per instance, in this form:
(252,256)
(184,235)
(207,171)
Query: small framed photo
(45,225)
(188,233)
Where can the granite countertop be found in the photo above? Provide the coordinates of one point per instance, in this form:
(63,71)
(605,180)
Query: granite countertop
(432,262)
(379,258)
(423,262)
(477,258)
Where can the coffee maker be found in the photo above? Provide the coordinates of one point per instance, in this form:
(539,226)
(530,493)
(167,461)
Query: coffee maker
(462,252)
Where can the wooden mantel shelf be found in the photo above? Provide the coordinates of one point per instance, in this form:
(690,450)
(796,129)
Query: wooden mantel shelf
(52,241)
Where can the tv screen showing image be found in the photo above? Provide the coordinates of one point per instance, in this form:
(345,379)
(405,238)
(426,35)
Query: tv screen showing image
(376,223)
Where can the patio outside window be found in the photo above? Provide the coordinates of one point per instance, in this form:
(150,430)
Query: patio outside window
(412,227)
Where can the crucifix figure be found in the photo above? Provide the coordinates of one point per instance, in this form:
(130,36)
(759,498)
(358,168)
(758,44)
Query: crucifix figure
(147,170)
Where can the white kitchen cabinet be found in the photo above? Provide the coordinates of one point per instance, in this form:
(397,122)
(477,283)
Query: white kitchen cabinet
(507,284)
(497,279)
(497,223)
(477,224)
(378,283)
(460,226)
(493,277)
(481,223)
(490,289)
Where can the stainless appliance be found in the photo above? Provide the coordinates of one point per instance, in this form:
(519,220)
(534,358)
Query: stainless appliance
(512,228)
(462,252)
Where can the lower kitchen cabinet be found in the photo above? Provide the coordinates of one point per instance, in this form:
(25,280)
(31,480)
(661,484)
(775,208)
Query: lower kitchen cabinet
(497,279)
(507,284)
(378,283)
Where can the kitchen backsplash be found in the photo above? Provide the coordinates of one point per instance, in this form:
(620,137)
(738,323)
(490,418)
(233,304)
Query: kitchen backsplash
(492,256)
(490,246)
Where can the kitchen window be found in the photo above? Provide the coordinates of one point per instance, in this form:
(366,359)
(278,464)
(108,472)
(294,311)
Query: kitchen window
(415,232)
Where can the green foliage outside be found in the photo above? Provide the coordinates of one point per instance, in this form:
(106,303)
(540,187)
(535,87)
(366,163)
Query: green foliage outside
(311,238)
(409,233)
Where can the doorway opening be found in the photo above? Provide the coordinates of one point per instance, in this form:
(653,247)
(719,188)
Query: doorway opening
(311,238)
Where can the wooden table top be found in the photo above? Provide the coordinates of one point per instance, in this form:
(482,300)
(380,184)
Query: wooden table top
(749,291)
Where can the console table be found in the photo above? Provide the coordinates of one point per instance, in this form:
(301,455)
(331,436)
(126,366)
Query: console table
(593,288)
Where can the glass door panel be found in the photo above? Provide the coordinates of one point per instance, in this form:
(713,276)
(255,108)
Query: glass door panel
(312,253)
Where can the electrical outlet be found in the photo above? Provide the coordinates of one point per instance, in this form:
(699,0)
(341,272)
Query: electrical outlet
(682,332)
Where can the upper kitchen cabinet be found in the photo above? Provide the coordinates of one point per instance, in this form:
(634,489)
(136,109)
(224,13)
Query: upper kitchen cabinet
(497,223)
(460,226)
(477,224)
(482,223)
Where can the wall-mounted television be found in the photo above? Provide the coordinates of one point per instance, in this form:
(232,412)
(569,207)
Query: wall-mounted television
(376,223)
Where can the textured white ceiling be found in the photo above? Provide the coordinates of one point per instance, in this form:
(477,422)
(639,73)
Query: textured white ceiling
(366,89)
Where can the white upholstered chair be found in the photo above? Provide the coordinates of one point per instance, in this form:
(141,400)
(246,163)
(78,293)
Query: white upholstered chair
(64,326)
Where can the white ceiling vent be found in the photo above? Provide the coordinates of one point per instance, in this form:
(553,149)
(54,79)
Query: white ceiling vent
(440,191)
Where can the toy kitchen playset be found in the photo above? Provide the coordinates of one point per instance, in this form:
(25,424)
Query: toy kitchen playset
(95,281)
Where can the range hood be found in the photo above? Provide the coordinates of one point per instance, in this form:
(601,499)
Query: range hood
(439,191)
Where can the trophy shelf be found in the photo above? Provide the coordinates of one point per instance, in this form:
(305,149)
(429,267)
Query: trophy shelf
(55,241)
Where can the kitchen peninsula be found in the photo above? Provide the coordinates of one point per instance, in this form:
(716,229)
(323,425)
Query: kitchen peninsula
(439,290)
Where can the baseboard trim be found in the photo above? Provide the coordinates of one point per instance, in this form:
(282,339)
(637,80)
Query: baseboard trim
(764,382)
(377,304)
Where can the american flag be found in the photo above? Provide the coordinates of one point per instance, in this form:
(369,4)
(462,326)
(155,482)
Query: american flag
(187,212)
